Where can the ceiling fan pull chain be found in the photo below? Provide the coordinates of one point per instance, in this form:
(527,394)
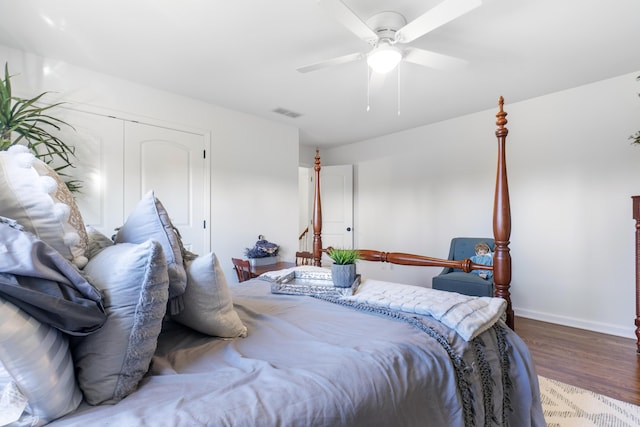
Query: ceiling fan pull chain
(368,89)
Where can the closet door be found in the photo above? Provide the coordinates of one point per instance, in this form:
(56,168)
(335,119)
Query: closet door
(98,165)
(172,164)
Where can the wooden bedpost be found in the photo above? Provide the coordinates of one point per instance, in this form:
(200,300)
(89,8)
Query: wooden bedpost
(501,230)
(317,215)
(502,220)
(636,215)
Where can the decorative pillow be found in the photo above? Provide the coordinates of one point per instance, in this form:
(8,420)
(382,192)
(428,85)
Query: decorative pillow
(150,220)
(208,307)
(37,360)
(133,278)
(34,195)
(96,242)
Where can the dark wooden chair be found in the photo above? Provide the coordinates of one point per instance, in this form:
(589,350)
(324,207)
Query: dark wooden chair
(242,268)
(304,258)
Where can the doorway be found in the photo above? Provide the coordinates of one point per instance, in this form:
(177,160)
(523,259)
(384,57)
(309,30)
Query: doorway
(336,190)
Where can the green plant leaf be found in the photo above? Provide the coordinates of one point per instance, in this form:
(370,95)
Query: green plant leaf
(343,256)
(31,124)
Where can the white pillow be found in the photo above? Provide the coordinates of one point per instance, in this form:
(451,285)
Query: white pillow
(134,281)
(36,358)
(208,307)
(34,195)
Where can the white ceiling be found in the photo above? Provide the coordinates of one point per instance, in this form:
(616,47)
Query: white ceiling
(243,55)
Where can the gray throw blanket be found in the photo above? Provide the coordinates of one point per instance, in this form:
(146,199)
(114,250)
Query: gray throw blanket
(460,366)
(41,282)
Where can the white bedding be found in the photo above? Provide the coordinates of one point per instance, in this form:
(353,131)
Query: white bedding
(468,316)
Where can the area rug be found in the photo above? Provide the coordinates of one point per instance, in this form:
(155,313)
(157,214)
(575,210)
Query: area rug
(568,406)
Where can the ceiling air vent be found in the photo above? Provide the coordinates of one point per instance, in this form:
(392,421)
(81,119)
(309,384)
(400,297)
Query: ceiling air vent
(287,113)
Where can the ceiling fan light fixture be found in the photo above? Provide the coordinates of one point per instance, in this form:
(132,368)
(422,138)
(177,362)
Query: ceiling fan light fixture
(384,58)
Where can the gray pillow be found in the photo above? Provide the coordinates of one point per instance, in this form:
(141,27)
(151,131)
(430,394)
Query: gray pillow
(133,278)
(150,220)
(36,358)
(97,242)
(208,307)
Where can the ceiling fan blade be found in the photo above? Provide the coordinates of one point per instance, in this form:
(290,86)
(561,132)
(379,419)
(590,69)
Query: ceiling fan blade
(331,62)
(435,60)
(349,19)
(443,13)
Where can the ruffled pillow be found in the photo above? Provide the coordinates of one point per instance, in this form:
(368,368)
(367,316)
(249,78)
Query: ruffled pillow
(36,197)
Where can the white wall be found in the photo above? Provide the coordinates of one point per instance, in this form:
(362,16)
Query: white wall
(572,171)
(305,195)
(254,162)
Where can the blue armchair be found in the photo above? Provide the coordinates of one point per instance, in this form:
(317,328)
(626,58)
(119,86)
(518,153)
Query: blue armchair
(455,280)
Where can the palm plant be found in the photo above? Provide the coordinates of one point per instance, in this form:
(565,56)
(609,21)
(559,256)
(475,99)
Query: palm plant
(31,125)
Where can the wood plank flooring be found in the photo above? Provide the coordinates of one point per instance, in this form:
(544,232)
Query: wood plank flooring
(602,363)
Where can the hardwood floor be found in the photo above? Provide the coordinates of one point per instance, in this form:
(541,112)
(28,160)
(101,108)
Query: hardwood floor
(602,363)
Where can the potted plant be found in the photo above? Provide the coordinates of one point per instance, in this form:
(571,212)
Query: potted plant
(343,269)
(31,125)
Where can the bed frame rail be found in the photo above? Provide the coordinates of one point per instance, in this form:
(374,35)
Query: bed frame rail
(419,260)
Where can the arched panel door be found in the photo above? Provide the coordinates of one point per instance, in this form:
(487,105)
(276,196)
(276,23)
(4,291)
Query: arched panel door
(172,164)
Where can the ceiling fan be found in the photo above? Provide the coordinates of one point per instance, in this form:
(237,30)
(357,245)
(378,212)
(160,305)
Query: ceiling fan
(387,31)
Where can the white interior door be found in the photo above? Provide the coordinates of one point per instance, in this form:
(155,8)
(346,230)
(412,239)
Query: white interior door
(172,164)
(336,191)
(98,165)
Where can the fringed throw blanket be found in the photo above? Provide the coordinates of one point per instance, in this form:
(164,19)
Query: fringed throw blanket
(461,367)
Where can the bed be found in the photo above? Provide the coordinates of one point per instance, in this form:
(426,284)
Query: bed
(185,348)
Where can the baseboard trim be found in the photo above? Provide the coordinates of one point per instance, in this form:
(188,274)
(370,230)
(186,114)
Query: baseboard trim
(604,328)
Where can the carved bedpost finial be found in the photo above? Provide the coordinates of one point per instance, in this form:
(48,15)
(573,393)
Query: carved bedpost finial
(501,115)
(317,164)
